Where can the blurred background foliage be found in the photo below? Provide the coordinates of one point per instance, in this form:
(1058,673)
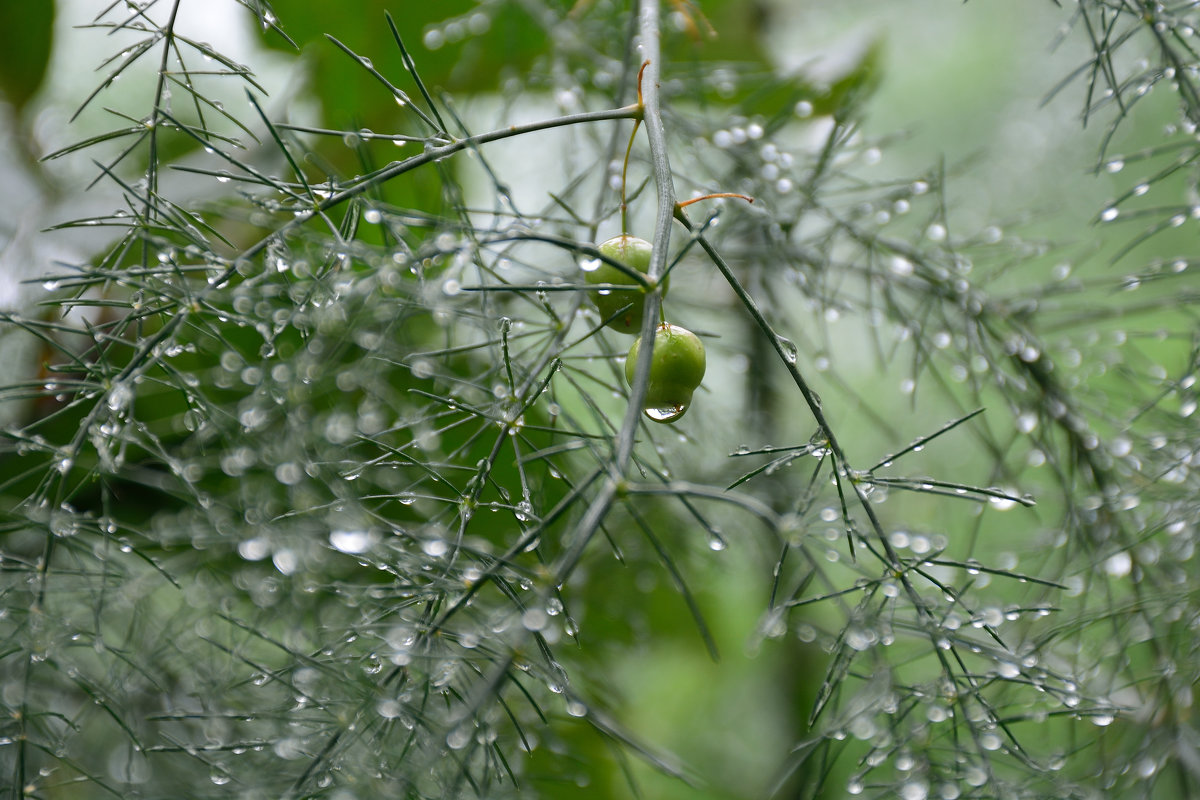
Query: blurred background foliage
(204,571)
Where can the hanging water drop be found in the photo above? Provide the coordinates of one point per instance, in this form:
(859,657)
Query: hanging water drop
(666,413)
(458,738)
(788,348)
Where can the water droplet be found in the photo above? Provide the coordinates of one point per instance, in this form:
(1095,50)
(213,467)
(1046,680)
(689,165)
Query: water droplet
(1119,565)
(289,473)
(860,638)
(285,561)
(255,549)
(433,39)
(666,413)
(1109,214)
(458,738)
(351,542)
(901,266)
(991,616)
(119,396)
(1002,503)
(788,348)
(990,741)
(389,708)
(534,619)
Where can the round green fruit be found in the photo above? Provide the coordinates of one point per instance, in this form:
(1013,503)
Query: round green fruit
(676,369)
(622,307)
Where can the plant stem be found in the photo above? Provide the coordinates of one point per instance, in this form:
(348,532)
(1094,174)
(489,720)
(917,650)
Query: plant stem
(625,171)
(651,114)
(431,155)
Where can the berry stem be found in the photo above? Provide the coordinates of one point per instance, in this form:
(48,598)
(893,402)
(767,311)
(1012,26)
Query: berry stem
(625,171)
(641,105)
(641,72)
(689,21)
(745,197)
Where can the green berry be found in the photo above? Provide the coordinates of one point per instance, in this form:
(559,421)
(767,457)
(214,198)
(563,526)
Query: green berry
(624,306)
(676,369)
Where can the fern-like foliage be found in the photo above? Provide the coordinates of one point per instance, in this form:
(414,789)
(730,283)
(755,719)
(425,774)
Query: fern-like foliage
(327,479)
